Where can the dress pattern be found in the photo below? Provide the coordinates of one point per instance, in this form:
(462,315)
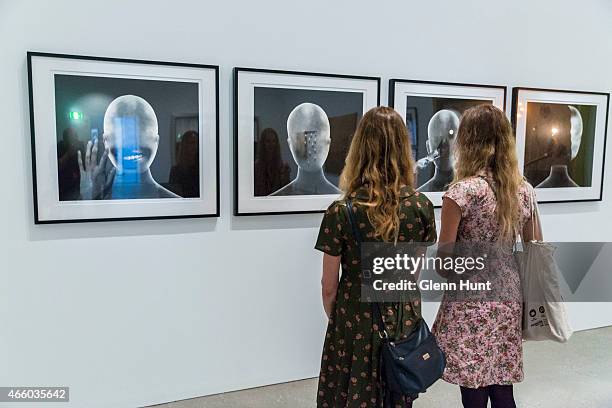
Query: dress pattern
(349,374)
(482,340)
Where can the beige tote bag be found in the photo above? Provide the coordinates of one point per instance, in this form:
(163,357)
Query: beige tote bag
(544,313)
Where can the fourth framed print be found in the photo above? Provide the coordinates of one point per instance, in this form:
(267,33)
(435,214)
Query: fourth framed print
(561,140)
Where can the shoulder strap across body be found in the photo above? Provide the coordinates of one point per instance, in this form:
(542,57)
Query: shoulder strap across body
(366,277)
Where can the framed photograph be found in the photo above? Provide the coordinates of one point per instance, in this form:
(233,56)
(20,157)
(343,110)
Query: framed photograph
(561,142)
(116,139)
(292,134)
(432,111)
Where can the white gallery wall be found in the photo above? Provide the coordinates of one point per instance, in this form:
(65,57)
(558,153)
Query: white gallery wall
(135,313)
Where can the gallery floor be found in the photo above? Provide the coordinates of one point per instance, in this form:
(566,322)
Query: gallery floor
(574,375)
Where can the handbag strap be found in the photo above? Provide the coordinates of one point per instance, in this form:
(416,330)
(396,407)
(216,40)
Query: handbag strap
(357,235)
(535,212)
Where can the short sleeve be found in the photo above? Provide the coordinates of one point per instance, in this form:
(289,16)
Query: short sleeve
(526,202)
(430,235)
(460,194)
(331,231)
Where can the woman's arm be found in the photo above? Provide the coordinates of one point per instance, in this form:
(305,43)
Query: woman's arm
(329,282)
(528,230)
(449,224)
(532,230)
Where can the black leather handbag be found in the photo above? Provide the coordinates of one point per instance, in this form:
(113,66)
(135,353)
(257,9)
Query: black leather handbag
(411,365)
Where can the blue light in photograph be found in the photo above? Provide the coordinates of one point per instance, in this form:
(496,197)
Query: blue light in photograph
(128,154)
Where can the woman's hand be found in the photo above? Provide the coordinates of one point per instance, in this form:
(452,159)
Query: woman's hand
(329,282)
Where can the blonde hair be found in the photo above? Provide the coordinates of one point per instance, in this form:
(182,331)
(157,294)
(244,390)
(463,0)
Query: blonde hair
(485,141)
(380,160)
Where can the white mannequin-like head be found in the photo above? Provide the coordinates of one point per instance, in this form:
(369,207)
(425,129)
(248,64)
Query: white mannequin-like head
(441,132)
(131,133)
(576,129)
(443,126)
(309,136)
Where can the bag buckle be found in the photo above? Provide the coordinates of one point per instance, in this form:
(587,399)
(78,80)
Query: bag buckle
(386,335)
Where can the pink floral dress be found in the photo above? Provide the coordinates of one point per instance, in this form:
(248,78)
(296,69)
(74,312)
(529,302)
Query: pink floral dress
(483,339)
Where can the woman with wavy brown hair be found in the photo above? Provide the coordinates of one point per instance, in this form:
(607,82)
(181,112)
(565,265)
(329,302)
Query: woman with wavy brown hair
(378,178)
(486,207)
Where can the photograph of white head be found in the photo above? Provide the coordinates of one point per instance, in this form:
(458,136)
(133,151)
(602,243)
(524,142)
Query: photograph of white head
(309,139)
(441,132)
(131,139)
(309,136)
(131,133)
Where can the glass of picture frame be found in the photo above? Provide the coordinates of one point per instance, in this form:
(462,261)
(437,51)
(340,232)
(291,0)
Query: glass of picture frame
(118,139)
(561,141)
(292,134)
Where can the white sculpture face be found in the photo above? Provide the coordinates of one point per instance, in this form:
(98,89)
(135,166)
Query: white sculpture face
(442,127)
(309,136)
(575,130)
(441,133)
(131,133)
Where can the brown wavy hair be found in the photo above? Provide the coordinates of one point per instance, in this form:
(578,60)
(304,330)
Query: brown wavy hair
(485,141)
(380,160)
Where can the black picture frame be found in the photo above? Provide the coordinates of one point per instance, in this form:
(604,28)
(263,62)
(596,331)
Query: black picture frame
(393,81)
(235,92)
(32,54)
(514,120)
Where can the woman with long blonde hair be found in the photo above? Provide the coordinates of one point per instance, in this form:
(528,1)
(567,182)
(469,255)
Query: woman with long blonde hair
(488,204)
(378,179)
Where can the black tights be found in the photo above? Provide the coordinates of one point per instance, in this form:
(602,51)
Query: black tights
(501,397)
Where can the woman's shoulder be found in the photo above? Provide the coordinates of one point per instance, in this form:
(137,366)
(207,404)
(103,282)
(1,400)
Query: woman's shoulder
(526,192)
(419,200)
(474,185)
(467,192)
(526,187)
(336,205)
(472,182)
(337,209)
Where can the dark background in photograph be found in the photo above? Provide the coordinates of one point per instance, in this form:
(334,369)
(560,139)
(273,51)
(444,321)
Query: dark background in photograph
(175,104)
(412,124)
(343,109)
(540,154)
(426,107)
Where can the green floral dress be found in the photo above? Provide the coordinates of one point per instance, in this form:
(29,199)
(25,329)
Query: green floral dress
(349,366)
